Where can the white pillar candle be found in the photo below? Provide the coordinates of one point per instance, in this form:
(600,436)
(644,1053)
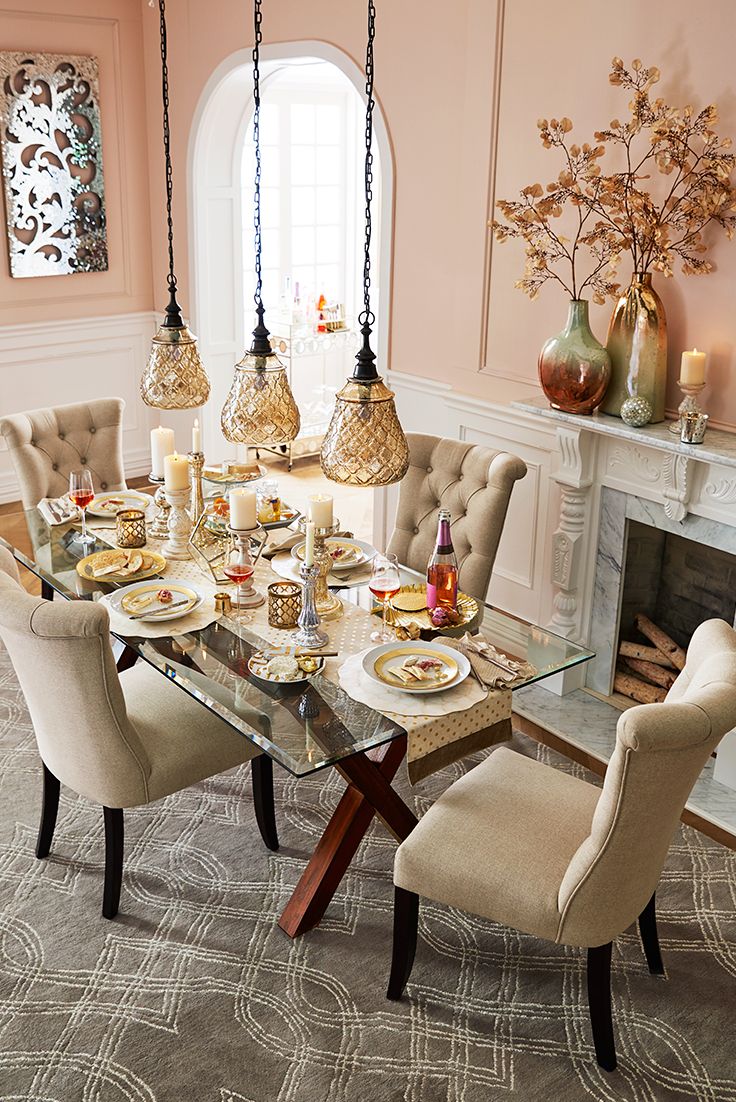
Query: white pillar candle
(162,444)
(243,509)
(309,548)
(320,510)
(177,475)
(692,368)
(196,436)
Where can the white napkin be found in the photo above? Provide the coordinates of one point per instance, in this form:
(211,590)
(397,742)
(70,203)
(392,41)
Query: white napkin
(58,510)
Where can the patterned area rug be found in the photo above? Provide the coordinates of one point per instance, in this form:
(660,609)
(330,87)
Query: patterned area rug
(194,995)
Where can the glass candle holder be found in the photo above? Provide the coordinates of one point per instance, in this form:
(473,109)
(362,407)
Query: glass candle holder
(284,604)
(131,528)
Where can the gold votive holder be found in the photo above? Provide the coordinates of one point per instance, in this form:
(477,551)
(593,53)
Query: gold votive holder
(223,603)
(131,528)
(284,604)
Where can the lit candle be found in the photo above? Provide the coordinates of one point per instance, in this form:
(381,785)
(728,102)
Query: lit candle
(162,444)
(692,368)
(320,510)
(309,548)
(196,436)
(176,472)
(243,509)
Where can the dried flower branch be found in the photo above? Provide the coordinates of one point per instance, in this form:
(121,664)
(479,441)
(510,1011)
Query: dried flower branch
(547,248)
(682,145)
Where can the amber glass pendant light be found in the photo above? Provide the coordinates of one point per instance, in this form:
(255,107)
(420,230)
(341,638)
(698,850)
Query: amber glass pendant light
(364,444)
(260,408)
(174,377)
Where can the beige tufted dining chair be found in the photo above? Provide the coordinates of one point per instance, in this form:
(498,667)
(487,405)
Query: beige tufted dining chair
(523,844)
(119,740)
(475,484)
(45,445)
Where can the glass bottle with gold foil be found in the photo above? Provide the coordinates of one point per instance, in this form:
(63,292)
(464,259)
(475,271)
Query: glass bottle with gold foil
(637,345)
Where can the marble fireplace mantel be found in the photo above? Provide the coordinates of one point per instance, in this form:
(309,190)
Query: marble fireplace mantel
(682,482)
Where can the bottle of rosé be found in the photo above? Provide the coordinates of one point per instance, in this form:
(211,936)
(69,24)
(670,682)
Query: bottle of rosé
(442,571)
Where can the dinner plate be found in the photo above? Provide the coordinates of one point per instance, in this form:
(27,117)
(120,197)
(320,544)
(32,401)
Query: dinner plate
(363,552)
(87,565)
(379,662)
(258,662)
(124,601)
(107,505)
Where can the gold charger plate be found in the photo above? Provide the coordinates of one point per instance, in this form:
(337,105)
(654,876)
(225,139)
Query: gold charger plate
(467,607)
(398,655)
(86,566)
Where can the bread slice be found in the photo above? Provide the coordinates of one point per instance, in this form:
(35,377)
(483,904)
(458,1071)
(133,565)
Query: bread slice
(134,563)
(113,562)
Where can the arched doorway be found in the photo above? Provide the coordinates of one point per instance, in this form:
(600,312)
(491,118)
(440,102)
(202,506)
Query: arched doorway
(219,211)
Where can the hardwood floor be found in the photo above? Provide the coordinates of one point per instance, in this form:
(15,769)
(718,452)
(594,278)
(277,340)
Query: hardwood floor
(353,506)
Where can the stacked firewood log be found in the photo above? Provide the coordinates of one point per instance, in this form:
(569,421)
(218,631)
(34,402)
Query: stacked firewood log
(645,673)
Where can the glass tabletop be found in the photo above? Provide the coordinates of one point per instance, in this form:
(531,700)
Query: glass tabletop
(305,727)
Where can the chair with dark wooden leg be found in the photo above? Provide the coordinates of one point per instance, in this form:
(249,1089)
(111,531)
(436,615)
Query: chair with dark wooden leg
(121,740)
(528,846)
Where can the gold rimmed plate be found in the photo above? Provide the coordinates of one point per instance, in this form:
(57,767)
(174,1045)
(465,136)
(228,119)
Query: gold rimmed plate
(439,668)
(117,565)
(258,666)
(109,504)
(346,553)
(142,601)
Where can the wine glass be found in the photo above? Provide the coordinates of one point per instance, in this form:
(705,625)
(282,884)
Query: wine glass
(385,583)
(81,492)
(239,570)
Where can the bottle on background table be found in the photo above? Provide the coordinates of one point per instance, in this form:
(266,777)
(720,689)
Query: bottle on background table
(442,570)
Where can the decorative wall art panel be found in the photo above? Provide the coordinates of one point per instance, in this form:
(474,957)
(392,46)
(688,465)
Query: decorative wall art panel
(52,164)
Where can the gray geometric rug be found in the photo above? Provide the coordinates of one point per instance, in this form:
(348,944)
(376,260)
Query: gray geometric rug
(194,995)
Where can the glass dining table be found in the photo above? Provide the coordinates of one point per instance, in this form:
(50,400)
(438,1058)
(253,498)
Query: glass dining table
(304,728)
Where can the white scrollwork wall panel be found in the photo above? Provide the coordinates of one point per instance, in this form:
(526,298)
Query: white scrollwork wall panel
(52,164)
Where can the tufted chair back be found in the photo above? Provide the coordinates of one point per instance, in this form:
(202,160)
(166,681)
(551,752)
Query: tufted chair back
(475,484)
(47,444)
(660,752)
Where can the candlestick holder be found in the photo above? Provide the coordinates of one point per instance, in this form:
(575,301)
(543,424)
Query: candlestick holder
(159,526)
(688,404)
(309,633)
(329,606)
(180,524)
(196,463)
(246,595)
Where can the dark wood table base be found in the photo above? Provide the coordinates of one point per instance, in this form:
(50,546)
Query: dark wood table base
(369,793)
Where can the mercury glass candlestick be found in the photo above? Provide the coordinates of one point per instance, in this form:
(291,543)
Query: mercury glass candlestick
(329,606)
(196,462)
(689,404)
(246,596)
(180,524)
(310,634)
(159,526)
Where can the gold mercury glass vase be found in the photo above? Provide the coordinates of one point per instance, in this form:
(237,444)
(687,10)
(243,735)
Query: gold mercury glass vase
(637,345)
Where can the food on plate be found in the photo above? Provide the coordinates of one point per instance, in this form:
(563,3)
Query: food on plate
(418,667)
(410,600)
(134,563)
(343,553)
(138,602)
(308,664)
(412,630)
(123,563)
(221,507)
(165,596)
(444,617)
(284,667)
(110,504)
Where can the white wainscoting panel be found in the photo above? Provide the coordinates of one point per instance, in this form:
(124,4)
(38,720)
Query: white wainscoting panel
(49,364)
(520,582)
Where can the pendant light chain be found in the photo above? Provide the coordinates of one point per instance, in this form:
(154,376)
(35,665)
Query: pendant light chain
(258,38)
(167,142)
(368,317)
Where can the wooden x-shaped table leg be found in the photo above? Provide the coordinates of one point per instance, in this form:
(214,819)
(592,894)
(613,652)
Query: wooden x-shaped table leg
(369,793)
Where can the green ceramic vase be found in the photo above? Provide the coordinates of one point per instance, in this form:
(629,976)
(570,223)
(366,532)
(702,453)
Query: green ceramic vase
(574,368)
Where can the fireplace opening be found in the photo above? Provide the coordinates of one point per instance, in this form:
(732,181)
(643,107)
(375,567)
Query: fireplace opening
(670,585)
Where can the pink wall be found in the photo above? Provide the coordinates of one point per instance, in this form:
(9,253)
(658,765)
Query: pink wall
(111,31)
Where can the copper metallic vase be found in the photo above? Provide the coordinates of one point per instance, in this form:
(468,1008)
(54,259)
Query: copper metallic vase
(637,344)
(574,368)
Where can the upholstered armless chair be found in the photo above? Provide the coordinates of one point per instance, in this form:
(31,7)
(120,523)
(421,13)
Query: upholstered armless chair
(475,484)
(119,740)
(45,445)
(525,845)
